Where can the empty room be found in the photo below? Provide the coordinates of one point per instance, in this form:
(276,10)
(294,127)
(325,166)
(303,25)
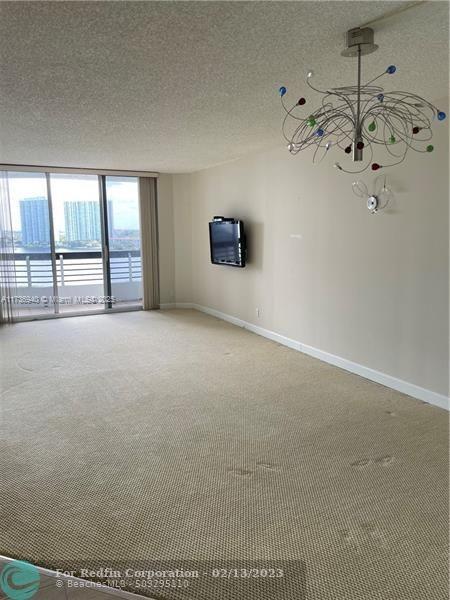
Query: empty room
(224,300)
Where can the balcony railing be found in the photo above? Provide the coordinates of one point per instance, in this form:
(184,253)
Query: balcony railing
(75,268)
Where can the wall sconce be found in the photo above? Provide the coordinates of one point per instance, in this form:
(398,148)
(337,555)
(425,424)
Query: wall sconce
(379,199)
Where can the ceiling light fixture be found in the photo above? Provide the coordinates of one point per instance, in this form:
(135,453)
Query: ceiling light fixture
(359,118)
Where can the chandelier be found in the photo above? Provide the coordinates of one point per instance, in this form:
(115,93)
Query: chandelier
(357,119)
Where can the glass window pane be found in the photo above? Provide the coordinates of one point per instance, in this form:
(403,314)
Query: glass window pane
(31,243)
(122,194)
(78,242)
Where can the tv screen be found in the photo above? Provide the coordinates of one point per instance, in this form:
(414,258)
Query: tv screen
(227,242)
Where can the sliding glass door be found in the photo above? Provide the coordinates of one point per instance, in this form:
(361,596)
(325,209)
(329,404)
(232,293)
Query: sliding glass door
(75,243)
(78,242)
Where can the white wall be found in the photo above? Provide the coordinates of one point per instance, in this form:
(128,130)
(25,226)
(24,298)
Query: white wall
(322,270)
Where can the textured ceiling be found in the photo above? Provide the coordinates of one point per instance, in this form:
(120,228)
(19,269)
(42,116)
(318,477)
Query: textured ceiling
(179,86)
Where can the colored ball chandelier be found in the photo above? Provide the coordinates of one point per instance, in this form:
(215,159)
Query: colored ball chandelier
(357,119)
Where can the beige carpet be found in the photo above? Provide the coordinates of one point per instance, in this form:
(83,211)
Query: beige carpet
(173,438)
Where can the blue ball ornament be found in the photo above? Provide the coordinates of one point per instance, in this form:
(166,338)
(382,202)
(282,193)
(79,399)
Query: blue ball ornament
(391,69)
(441,115)
(380,97)
(320,132)
(282,91)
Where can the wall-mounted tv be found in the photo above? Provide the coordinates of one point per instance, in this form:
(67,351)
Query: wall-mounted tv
(227,242)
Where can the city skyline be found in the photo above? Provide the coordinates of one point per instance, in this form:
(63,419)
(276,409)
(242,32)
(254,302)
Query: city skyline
(121,191)
(81,222)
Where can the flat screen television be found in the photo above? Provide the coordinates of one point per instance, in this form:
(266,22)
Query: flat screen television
(227,242)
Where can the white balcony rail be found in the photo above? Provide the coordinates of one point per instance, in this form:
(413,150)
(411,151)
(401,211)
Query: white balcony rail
(76,268)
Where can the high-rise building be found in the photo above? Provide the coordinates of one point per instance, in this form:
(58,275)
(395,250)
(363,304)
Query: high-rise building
(82,221)
(34,221)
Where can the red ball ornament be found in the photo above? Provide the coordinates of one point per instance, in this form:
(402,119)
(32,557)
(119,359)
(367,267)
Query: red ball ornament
(375,166)
(302,101)
(360,145)
(416,129)
(348,149)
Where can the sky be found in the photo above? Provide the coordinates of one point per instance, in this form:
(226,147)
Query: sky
(122,191)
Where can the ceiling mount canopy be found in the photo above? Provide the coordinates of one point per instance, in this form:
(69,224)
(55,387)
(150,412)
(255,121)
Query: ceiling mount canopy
(359,40)
(361,120)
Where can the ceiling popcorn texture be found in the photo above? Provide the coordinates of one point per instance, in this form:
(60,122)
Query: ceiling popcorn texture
(181,86)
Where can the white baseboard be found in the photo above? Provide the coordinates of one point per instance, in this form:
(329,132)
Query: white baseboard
(388,380)
(170,305)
